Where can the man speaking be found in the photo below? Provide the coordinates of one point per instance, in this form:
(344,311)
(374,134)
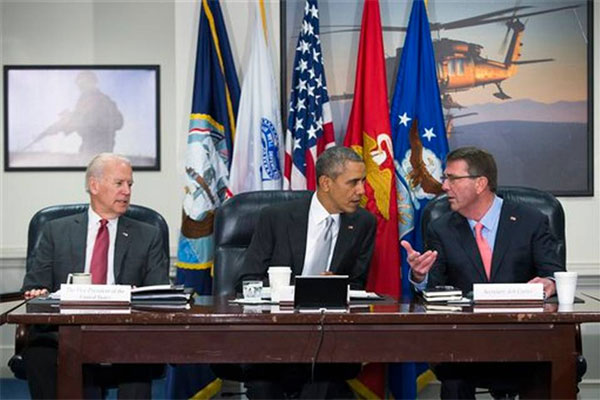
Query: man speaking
(484,238)
(329,233)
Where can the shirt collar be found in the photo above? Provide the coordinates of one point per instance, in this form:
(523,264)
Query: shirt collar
(491,217)
(318,212)
(94,218)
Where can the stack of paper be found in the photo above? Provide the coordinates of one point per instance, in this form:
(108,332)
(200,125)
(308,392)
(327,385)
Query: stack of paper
(161,295)
(442,308)
(442,294)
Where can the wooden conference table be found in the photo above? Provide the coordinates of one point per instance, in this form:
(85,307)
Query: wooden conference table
(216,331)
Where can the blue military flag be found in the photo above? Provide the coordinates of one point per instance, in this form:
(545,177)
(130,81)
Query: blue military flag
(212,126)
(208,156)
(418,130)
(420,147)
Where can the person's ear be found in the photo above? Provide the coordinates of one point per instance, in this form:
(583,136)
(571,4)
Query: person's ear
(324,183)
(93,185)
(481,183)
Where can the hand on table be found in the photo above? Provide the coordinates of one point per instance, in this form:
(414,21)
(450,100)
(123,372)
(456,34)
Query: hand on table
(549,285)
(30,294)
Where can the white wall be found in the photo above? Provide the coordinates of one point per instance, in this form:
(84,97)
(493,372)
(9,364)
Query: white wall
(160,32)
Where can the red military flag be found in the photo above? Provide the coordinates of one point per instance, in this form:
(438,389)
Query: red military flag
(369,134)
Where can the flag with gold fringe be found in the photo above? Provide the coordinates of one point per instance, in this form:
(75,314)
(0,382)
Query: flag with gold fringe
(209,148)
(420,146)
(258,147)
(369,134)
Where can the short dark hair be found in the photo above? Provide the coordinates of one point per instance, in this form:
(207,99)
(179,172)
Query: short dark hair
(332,161)
(479,163)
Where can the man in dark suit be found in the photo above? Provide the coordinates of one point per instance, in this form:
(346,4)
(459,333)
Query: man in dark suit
(289,234)
(483,239)
(282,233)
(127,251)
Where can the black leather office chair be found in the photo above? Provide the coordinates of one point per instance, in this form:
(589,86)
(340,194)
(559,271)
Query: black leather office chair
(234,226)
(34,235)
(235,222)
(540,200)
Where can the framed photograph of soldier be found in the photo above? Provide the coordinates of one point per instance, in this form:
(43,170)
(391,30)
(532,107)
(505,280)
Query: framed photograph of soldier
(57,118)
(515,79)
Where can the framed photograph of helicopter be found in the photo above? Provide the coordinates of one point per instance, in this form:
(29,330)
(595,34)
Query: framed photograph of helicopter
(529,105)
(56,118)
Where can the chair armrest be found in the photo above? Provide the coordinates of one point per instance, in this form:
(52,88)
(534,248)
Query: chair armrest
(11,296)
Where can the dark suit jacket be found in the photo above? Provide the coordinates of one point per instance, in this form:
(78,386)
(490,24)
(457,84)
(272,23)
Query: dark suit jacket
(524,249)
(139,257)
(280,239)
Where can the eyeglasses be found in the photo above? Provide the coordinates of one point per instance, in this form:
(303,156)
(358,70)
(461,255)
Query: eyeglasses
(452,178)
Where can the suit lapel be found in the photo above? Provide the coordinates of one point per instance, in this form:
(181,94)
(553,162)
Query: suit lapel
(122,242)
(297,230)
(504,234)
(343,242)
(78,238)
(467,240)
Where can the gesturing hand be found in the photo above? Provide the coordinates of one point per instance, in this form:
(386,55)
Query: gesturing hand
(420,264)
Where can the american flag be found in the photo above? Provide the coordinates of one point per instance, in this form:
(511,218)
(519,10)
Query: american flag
(310,128)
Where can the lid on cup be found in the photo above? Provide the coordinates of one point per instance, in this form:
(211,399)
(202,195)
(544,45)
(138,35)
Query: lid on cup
(279,268)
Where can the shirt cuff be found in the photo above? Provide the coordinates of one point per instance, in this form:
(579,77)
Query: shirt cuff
(419,286)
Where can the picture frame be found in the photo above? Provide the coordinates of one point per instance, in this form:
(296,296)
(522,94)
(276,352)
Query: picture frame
(537,122)
(57,117)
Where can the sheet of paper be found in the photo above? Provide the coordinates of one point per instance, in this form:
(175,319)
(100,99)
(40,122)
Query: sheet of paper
(363,294)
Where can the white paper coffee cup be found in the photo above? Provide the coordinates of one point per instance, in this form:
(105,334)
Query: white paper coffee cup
(79,278)
(566,283)
(279,276)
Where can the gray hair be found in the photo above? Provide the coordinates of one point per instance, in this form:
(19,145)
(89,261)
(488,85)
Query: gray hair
(95,168)
(332,161)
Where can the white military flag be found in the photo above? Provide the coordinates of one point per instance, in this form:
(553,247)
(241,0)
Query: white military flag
(258,144)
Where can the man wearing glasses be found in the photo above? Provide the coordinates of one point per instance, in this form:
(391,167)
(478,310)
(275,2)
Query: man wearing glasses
(483,239)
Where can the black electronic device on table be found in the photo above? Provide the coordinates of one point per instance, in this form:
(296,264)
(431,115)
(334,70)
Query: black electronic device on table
(321,292)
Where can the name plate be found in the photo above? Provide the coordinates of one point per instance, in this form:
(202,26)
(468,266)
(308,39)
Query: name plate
(95,294)
(508,292)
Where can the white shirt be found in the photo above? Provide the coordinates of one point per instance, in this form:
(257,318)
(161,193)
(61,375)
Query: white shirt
(92,232)
(317,214)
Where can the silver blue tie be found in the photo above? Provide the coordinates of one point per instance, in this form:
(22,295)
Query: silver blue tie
(317,262)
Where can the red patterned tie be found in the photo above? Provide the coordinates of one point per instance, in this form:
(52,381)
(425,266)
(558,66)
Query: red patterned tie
(484,250)
(99,264)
